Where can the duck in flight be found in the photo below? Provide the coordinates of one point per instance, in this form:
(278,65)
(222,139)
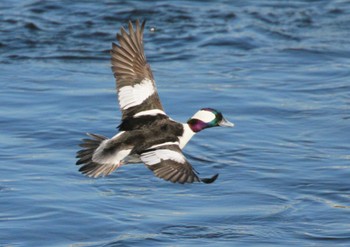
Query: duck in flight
(146,133)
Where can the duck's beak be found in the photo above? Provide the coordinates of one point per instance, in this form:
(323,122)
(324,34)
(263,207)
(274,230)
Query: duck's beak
(225,123)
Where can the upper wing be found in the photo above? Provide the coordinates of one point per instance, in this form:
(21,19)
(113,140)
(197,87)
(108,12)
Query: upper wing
(135,83)
(168,162)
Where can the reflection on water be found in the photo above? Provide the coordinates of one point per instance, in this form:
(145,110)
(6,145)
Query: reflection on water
(279,70)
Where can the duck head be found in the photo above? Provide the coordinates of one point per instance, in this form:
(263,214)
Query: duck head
(207,118)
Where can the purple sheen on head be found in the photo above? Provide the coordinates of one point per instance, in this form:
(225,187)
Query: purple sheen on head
(197,125)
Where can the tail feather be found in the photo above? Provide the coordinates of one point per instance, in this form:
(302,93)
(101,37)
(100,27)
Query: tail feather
(87,143)
(97,137)
(90,168)
(85,152)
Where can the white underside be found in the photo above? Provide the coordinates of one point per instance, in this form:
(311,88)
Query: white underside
(132,159)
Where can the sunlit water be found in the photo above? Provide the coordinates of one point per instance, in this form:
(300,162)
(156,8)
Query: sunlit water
(280,70)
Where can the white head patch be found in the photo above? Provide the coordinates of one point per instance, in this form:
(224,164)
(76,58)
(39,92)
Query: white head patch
(205,116)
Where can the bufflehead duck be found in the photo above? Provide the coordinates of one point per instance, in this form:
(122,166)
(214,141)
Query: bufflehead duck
(147,134)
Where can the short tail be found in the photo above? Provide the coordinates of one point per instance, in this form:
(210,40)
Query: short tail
(89,167)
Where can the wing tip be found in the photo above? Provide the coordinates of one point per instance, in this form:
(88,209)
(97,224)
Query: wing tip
(210,180)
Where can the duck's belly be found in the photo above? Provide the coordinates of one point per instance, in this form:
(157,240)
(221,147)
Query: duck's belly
(132,159)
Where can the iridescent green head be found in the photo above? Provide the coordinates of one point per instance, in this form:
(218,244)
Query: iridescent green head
(207,118)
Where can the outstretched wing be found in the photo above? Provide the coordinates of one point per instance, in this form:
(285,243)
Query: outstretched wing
(135,83)
(168,162)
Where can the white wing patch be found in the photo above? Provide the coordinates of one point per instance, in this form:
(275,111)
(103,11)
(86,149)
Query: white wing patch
(156,156)
(130,96)
(164,144)
(152,112)
(205,116)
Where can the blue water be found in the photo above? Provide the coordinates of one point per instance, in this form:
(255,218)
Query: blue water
(280,70)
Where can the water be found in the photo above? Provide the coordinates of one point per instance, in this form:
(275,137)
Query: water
(280,70)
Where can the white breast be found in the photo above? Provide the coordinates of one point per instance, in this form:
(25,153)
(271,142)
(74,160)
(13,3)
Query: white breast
(186,136)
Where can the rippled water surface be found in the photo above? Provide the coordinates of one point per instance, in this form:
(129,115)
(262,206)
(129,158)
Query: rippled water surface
(280,70)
